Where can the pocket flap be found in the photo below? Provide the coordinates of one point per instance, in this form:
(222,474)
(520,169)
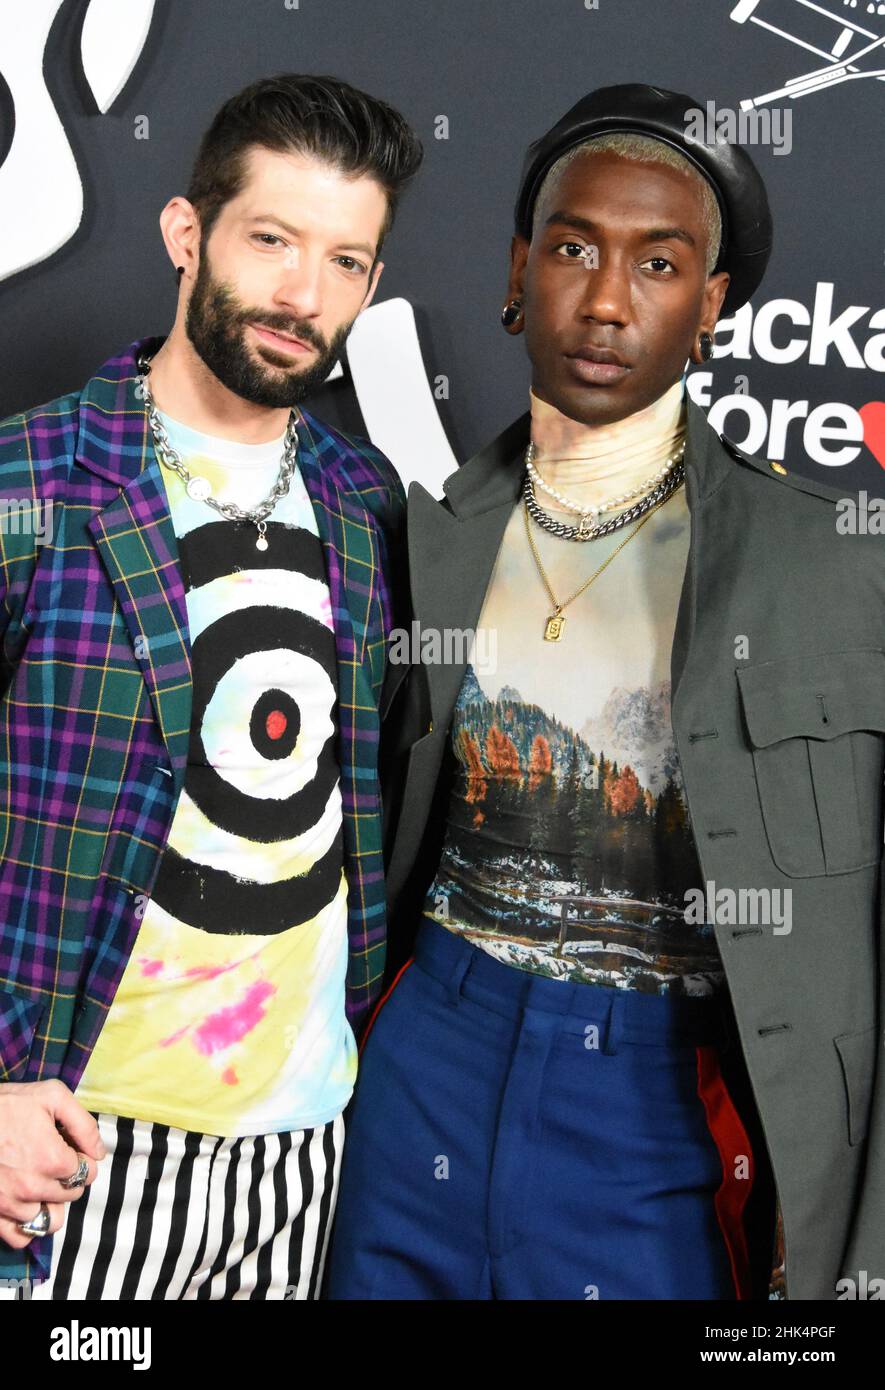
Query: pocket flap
(818,696)
(857,1053)
(19,1017)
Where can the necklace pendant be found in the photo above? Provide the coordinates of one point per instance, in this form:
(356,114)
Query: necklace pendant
(261,543)
(553,628)
(198,488)
(587,522)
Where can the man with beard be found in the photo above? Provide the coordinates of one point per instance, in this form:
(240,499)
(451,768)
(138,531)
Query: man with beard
(192,898)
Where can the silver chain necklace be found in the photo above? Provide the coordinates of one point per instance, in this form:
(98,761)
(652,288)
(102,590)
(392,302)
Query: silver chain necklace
(589,516)
(576,533)
(200,489)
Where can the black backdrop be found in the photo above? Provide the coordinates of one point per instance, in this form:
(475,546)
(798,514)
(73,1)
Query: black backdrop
(501,71)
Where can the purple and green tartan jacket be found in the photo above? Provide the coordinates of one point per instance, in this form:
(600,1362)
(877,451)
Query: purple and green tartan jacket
(94,718)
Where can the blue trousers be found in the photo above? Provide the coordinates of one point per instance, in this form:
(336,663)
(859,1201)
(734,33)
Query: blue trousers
(517,1137)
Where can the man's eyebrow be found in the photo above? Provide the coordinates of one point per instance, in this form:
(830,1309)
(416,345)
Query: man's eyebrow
(584,224)
(295,231)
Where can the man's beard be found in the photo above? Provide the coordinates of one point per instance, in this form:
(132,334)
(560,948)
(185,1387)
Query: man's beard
(216,323)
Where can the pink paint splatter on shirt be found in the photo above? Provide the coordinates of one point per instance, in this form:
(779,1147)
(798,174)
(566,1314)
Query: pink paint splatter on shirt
(209,972)
(150,968)
(229,1077)
(174,1037)
(229,1025)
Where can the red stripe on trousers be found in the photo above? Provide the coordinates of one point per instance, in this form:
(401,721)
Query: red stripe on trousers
(383,1000)
(731,1140)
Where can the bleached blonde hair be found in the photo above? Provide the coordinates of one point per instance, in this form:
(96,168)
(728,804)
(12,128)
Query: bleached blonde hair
(645,150)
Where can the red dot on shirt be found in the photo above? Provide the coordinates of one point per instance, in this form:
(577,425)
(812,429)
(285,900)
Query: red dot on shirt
(276,724)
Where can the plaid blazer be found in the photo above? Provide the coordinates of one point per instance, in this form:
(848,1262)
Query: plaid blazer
(95,705)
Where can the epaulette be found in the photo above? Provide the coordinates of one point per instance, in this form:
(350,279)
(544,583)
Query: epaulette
(773,468)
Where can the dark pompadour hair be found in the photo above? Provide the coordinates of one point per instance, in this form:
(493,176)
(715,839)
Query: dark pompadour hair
(304,114)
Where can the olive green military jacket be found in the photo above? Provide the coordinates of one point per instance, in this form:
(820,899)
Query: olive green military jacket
(778,711)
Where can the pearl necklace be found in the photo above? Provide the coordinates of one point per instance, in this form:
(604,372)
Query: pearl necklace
(574,533)
(610,504)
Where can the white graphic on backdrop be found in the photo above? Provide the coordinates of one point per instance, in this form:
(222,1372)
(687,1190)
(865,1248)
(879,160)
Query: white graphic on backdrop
(114,35)
(394,394)
(826,333)
(39,177)
(851,51)
(830,433)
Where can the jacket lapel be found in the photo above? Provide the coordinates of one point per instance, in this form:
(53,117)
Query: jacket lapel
(136,541)
(706,467)
(349,556)
(137,544)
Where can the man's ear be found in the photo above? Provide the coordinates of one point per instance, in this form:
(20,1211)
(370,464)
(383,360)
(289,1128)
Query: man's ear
(180,227)
(714,293)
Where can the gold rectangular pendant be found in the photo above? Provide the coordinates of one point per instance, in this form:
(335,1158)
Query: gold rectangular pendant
(553,630)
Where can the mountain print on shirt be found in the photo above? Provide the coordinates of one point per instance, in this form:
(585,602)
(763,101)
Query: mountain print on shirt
(569,852)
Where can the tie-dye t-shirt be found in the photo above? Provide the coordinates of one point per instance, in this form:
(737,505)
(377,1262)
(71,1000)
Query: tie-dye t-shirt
(568,849)
(229,1018)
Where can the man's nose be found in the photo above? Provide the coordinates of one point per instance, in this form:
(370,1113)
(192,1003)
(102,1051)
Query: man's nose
(607,292)
(300,289)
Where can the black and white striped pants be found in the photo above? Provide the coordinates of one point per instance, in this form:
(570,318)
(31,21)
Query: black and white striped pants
(176,1215)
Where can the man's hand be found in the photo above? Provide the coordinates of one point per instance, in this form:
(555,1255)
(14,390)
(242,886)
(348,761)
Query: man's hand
(35,1156)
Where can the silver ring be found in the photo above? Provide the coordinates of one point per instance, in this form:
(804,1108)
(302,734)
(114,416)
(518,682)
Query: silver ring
(77,1179)
(38,1225)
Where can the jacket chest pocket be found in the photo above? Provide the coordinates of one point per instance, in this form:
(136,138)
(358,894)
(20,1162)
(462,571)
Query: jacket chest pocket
(816,726)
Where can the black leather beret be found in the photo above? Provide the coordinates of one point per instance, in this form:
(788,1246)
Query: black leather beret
(654,111)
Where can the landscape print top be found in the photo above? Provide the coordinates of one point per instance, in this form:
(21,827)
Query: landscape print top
(568,849)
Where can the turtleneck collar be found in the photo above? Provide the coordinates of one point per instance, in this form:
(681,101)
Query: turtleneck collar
(594,462)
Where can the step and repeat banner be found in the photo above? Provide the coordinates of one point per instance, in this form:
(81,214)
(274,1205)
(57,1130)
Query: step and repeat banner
(103,102)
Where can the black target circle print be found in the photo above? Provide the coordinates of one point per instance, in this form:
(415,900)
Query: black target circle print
(262,762)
